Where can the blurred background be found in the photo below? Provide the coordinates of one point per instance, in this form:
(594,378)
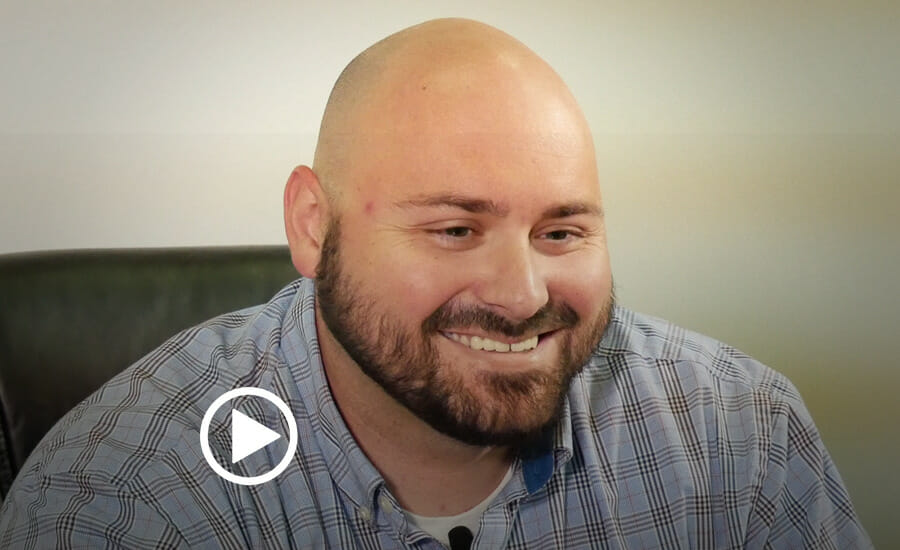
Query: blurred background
(749,151)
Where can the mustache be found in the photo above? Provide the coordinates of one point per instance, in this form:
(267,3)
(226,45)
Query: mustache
(552,316)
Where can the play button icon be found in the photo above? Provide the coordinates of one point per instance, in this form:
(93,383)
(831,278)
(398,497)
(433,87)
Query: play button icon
(248,436)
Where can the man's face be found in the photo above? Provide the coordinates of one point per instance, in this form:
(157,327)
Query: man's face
(468,275)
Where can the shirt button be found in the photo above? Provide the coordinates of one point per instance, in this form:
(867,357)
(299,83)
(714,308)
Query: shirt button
(386,505)
(365,514)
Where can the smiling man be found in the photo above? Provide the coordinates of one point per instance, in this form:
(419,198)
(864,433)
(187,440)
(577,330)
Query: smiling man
(452,356)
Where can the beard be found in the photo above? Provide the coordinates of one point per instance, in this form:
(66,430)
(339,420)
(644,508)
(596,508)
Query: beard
(474,405)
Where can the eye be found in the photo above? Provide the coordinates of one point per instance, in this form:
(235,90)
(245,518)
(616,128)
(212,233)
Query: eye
(456,232)
(558,240)
(561,235)
(558,235)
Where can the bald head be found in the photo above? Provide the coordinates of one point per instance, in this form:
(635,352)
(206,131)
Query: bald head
(443,77)
(461,187)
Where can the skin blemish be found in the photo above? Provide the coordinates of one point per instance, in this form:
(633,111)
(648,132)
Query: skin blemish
(370,206)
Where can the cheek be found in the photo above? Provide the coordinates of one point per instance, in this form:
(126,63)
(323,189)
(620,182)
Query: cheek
(405,283)
(585,285)
(423,286)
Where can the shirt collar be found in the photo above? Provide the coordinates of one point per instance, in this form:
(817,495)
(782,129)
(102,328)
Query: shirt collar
(538,467)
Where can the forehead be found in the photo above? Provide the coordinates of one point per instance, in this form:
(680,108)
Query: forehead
(512,169)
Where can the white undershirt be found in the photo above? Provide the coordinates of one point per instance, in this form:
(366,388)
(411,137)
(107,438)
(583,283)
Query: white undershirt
(438,527)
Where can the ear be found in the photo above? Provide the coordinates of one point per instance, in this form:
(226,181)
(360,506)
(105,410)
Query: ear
(305,219)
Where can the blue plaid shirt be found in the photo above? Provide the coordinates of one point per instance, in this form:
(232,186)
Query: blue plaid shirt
(668,440)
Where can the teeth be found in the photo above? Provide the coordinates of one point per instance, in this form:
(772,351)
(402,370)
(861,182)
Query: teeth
(486,344)
(475,342)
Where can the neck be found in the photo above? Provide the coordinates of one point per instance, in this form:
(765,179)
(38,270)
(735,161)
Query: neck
(430,474)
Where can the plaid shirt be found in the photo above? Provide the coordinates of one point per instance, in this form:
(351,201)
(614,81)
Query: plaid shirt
(668,440)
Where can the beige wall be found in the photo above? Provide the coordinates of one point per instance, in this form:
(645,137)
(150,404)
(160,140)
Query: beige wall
(749,153)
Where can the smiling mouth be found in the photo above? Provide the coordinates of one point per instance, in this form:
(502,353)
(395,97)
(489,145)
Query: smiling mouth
(480,343)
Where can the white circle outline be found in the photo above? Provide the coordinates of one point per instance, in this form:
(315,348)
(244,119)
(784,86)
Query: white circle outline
(207,451)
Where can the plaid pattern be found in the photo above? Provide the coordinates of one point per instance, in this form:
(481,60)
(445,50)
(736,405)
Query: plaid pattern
(669,440)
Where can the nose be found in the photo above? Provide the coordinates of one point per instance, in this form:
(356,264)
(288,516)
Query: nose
(513,284)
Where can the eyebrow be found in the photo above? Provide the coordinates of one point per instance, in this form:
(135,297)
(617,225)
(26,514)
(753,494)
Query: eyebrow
(475,206)
(487,206)
(573,209)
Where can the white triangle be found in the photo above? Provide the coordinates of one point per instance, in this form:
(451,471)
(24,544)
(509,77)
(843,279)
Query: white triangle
(248,436)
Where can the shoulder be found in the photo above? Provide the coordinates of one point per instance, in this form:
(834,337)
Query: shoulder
(127,467)
(155,407)
(647,372)
(649,346)
(658,404)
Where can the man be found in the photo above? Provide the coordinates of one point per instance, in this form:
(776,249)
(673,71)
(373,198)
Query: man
(453,358)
